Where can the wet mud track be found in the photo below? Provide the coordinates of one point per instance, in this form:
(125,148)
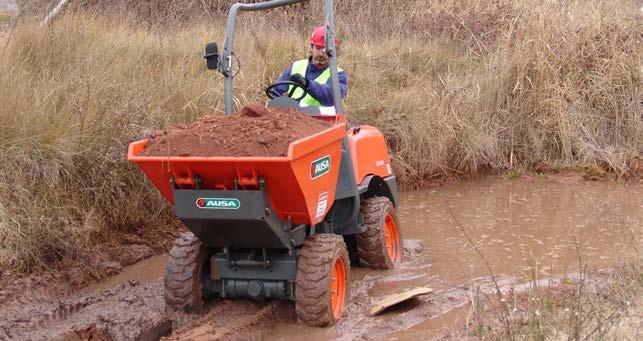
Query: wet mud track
(130,311)
(519,226)
(136,311)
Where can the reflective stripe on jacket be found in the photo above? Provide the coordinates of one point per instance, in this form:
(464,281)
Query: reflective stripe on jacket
(300,67)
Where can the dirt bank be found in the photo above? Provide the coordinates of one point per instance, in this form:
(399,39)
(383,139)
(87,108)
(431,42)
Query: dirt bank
(131,311)
(257,131)
(110,255)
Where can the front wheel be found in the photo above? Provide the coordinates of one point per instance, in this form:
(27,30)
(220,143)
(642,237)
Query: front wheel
(380,246)
(322,283)
(184,275)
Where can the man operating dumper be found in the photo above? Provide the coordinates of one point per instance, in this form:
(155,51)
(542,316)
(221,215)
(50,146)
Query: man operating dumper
(313,74)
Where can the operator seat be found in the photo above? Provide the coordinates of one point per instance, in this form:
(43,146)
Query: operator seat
(286,102)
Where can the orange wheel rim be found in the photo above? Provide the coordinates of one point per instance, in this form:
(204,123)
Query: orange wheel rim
(392,238)
(338,288)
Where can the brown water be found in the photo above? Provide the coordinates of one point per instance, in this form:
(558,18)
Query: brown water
(533,228)
(447,322)
(530,228)
(147,270)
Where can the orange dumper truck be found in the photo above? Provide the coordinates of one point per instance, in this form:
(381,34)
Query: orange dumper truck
(280,227)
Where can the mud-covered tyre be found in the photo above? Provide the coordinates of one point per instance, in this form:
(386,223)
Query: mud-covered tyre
(380,246)
(322,283)
(184,274)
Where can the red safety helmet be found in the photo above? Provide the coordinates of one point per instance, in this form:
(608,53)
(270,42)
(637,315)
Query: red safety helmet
(318,36)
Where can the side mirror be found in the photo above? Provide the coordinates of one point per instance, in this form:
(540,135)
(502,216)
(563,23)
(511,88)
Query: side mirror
(212,56)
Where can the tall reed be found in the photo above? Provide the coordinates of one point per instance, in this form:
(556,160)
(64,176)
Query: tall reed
(456,87)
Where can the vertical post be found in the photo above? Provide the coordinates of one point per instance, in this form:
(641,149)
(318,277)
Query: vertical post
(332,49)
(226,58)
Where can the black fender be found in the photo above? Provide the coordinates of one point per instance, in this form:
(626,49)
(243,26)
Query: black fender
(374,185)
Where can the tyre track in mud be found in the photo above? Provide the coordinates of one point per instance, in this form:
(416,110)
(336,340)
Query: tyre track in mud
(130,311)
(236,320)
(244,323)
(242,320)
(137,311)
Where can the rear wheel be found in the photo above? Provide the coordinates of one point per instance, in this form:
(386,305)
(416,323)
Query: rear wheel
(380,246)
(184,275)
(323,272)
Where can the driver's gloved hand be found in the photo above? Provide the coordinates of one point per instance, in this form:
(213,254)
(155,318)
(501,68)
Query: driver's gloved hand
(299,79)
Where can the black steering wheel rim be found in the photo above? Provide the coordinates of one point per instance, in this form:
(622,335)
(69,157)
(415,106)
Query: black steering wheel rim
(272,93)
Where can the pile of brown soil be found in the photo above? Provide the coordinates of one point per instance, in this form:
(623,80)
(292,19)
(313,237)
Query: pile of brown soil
(257,131)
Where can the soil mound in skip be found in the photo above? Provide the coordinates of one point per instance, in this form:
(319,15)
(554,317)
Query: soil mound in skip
(257,131)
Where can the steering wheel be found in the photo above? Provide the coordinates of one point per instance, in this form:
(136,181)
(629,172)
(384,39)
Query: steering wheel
(271,92)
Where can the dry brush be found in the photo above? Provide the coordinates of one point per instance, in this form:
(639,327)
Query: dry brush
(457,87)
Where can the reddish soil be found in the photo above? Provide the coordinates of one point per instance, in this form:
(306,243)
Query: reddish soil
(49,306)
(233,320)
(136,311)
(130,311)
(111,254)
(257,131)
(635,168)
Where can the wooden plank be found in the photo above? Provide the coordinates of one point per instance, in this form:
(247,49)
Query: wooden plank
(394,299)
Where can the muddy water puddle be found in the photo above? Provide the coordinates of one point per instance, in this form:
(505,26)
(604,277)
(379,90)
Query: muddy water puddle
(447,322)
(147,270)
(531,228)
(524,229)
(528,229)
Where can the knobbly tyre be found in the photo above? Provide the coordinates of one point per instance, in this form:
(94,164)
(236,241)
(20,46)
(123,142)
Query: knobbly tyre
(284,228)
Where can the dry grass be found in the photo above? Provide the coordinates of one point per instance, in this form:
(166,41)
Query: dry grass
(589,305)
(455,86)
(602,305)
(561,86)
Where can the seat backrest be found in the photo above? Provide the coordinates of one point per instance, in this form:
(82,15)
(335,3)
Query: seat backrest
(286,102)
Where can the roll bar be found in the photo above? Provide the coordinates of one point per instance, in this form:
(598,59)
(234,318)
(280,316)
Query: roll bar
(224,65)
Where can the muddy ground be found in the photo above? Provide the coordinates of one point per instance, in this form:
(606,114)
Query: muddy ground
(136,311)
(111,255)
(529,228)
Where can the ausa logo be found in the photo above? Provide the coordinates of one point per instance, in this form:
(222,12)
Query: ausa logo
(320,167)
(218,203)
